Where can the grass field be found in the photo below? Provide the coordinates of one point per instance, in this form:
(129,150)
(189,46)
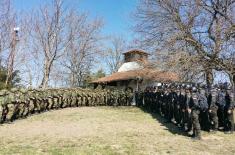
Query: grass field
(105,130)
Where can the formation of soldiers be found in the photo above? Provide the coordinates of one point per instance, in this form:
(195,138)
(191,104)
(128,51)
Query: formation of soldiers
(191,108)
(20,103)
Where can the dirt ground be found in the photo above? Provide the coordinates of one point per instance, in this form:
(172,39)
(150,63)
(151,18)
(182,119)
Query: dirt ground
(105,130)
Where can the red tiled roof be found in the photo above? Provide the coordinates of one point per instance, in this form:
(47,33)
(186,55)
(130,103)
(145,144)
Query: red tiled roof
(136,51)
(150,74)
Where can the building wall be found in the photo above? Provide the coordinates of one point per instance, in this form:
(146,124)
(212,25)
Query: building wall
(131,57)
(133,84)
(122,85)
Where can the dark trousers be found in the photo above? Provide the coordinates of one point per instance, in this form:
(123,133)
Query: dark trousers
(178,114)
(188,120)
(204,120)
(220,114)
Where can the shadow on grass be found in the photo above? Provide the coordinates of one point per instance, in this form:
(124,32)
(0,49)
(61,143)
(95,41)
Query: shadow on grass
(169,125)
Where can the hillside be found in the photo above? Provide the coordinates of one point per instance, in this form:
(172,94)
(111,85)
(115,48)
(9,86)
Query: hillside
(105,130)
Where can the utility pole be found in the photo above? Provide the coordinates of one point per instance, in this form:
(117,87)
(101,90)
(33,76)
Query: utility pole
(11,57)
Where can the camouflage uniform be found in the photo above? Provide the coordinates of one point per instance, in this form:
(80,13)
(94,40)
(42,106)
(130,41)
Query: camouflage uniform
(79,98)
(60,96)
(3,107)
(213,108)
(73,99)
(31,101)
(65,99)
(41,100)
(24,103)
(54,96)
(11,105)
(200,104)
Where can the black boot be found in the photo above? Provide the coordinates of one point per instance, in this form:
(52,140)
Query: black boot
(197,135)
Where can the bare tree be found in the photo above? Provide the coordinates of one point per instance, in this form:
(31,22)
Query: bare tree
(50,36)
(5,24)
(113,54)
(8,38)
(83,47)
(205,26)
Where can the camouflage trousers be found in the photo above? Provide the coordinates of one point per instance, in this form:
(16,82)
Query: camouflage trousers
(196,123)
(229,121)
(214,120)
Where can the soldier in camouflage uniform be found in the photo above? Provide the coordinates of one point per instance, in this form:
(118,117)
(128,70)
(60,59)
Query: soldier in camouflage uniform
(31,101)
(21,103)
(79,97)
(24,105)
(60,96)
(38,99)
(55,99)
(2,96)
(3,105)
(12,104)
(65,99)
(73,99)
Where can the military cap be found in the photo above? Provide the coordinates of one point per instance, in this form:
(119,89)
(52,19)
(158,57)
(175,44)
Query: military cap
(167,85)
(183,85)
(13,90)
(188,87)
(194,89)
(40,89)
(202,86)
(3,92)
(178,86)
(22,90)
(194,85)
(172,85)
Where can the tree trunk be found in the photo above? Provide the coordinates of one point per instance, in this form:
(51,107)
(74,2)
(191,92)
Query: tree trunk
(209,78)
(11,60)
(46,74)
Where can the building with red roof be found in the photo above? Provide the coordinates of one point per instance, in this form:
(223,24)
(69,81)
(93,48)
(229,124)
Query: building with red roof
(136,73)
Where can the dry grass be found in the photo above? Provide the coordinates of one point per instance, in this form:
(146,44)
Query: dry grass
(104,130)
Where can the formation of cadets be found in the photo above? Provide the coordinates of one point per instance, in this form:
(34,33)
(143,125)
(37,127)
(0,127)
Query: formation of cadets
(190,107)
(20,103)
